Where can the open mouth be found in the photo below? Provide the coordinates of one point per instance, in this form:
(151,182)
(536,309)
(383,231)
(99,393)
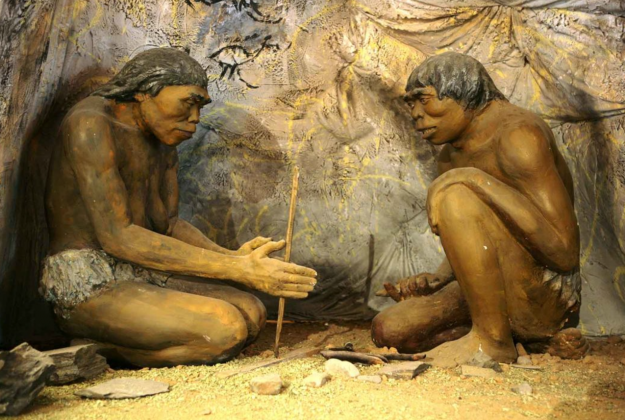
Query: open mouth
(426,132)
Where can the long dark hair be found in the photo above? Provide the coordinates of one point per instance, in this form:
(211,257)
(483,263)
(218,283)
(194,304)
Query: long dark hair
(152,70)
(456,76)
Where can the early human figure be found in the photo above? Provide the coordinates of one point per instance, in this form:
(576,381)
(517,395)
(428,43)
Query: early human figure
(503,208)
(116,239)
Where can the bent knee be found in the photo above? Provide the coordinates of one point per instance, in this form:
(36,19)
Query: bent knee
(223,334)
(459,202)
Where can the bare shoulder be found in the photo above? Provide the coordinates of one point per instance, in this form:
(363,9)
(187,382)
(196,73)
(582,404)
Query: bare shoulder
(524,141)
(87,128)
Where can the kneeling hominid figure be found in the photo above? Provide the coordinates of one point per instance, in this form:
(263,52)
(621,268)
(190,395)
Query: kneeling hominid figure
(116,239)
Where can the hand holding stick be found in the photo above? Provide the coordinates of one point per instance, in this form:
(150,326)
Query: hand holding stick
(287,254)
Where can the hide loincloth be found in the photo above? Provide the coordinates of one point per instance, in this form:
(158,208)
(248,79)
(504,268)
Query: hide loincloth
(568,285)
(74,276)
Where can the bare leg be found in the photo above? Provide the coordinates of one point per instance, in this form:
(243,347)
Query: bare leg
(422,323)
(152,326)
(250,306)
(491,268)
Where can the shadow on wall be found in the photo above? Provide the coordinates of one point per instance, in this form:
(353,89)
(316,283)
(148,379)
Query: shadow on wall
(24,314)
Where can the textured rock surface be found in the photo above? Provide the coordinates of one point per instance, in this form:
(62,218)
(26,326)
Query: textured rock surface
(317,379)
(337,367)
(23,374)
(403,370)
(76,363)
(124,388)
(270,384)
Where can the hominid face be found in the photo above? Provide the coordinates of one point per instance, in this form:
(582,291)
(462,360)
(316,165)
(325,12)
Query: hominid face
(173,114)
(440,121)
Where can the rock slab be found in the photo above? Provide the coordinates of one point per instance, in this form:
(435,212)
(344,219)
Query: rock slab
(270,384)
(317,379)
(376,379)
(404,370)
(123,388)
(479,372)
(24,372)
(76,363)
(483,360)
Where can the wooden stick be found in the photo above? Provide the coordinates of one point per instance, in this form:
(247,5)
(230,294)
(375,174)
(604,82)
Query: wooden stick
(287,255)
(350,356)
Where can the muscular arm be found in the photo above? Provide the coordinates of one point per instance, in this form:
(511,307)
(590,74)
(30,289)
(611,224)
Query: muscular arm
(534,204)
(178,228)
(89,146)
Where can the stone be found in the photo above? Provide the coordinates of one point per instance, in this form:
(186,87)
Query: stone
(76,363)
(24,372)
(270,384)
(479,372)
(376,379)
(337,367)
(524,361)
(522,389)
(123,388)
(404,370)
(483,360)
(317,379)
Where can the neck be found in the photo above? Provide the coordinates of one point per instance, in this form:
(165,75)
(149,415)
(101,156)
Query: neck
(468,137)
(129,113)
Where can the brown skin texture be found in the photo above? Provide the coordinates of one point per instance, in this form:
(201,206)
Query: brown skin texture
(503,208)
(113,186)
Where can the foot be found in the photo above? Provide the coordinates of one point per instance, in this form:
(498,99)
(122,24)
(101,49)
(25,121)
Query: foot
(461,351)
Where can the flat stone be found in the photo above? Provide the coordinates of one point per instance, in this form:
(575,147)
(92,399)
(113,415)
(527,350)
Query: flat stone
(522,389)
(524,361)
(24,372)
(123,388)
(317,379)
(337,367)
(403,370)
(479,372)
(376,379)
(270,384)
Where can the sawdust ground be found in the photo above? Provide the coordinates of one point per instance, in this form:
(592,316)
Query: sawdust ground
(589,389)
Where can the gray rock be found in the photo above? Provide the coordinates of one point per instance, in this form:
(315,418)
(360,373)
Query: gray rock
(124,388)
(337,367)
(524,361)
(24,372)
(404,370)
(479,372)
(317,379)
(76,363)
(522,389)
(376,379)
(483,360)
(270,384)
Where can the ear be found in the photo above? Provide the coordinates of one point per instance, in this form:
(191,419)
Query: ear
(140,97)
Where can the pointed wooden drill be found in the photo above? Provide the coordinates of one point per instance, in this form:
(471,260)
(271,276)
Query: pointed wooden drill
(287,255)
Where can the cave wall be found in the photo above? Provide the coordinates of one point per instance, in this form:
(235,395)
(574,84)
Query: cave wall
(317,84)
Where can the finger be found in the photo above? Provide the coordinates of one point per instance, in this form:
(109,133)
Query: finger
(292,295)
(382,293)
(292,287)
(392,292)
(297,279)
(422,283)
(269,247)
(412,286)
(299,269)
(258,242)
(403,287)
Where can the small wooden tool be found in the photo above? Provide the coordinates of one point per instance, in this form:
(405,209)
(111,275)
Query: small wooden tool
(287,254)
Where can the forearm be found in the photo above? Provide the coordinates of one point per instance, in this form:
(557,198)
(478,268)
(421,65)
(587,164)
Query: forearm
(556,247)
(160,252)
(187,233)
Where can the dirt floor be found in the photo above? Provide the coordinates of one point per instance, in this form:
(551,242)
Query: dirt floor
(592,388)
